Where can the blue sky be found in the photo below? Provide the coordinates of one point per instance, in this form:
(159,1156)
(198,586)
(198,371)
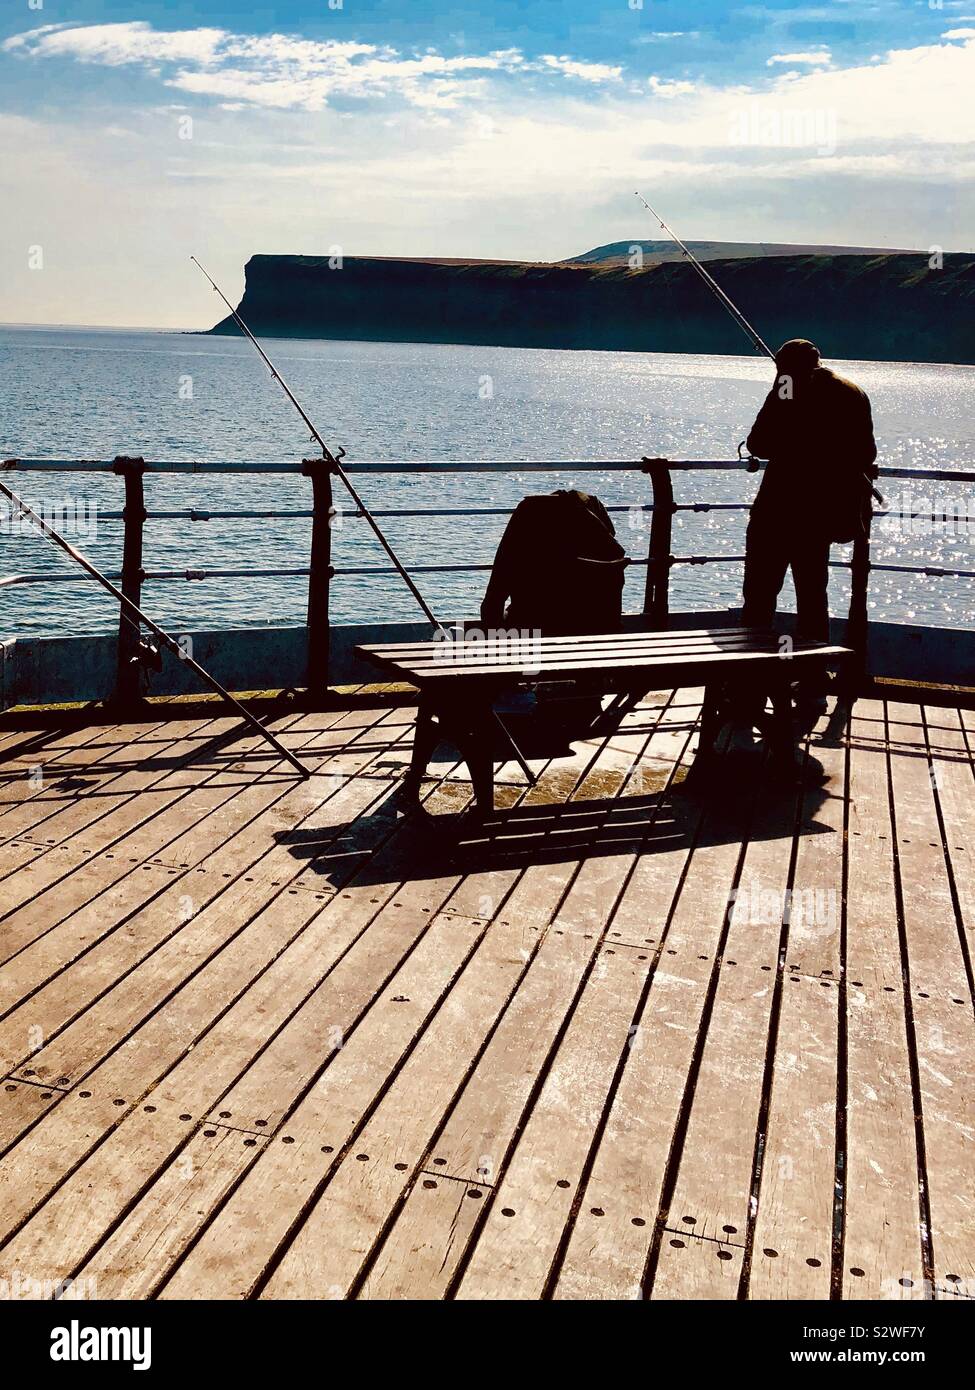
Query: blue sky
(134,134)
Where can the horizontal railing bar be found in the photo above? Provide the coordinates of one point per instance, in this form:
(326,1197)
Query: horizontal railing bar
(194,514)
(454,466)
(932,571)
(198,514)
(195,574)
(154,466)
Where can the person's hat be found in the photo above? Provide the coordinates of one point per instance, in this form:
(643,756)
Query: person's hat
(797,357)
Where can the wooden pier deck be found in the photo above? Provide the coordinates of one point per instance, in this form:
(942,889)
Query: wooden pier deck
(262,1038)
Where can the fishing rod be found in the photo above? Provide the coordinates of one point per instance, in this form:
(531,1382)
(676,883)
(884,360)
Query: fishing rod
(134,612)
(758,343)
(331,459)
(333,462)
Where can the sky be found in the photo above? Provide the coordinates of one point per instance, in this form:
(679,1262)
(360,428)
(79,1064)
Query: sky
(133,135)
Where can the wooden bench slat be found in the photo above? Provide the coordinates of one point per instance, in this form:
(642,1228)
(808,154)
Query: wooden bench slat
(572,639)
(683,665)
(468,654)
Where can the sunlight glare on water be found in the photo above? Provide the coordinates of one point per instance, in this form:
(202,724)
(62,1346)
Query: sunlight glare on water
(98,393)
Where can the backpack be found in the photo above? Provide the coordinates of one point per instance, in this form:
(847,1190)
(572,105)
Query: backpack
(561,567)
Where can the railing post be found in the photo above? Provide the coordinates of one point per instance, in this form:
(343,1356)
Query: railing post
(319,577)
(656,600)
(128,689)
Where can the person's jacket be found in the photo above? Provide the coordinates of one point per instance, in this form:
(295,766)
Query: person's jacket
(561,567)
(820,448)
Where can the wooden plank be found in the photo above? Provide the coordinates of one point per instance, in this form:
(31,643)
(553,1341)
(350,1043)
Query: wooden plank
(481,657)
(65,750)
(156,1232)
(420,1256)
(21,1106)
(342,1227)
(282,1068)
(608,1247)
(518,1244)
(64,1139)
(816,901)
(230,1256)
(64,1230)
(943,1033)
(12,740)
(657,642)
(945,1041)
(607,1254)
(698,1269)
(882,1256)
(711,1199)
(137,894)
(712,1194)
(395,650)
(641,914)
(954,788)
(191,919)
(422,1252)
(52,822)
(182,834)
(937,963)
(50,890)
(67,788)
(794,1220)
(610,1240)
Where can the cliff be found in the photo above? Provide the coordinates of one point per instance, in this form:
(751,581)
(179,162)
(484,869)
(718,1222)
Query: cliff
(884,306)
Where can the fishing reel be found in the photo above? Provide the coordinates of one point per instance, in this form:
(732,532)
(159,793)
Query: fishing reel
(751,462)
(148,659)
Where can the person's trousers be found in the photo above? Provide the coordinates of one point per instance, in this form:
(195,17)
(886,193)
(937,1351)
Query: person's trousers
(772,546)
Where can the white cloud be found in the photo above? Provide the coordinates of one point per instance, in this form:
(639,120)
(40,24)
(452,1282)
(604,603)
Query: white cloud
(588,72)
(819,57)
(444,161)
(114,45)
(283,71)
(664,87)
(960,33)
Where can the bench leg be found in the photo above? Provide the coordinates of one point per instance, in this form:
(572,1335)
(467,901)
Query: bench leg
(472,729)
(475,746)
(782,743)
(710,720)
(426,737)
(710,728)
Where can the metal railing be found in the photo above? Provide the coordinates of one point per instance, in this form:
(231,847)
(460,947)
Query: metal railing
(659,560)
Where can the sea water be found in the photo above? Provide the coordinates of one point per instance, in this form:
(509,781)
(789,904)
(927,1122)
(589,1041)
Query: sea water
(75,393)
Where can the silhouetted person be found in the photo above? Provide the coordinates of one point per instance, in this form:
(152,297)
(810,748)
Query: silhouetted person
(558,568)
(816,431)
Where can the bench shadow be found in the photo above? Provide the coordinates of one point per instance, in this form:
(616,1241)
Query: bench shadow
(722,808)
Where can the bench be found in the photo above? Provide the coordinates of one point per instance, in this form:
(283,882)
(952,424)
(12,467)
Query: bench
(460,678)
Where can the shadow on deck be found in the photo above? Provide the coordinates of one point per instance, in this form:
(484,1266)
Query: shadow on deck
(270,1038)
